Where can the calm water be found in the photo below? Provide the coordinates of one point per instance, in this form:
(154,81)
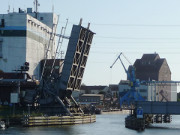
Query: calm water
(105,125)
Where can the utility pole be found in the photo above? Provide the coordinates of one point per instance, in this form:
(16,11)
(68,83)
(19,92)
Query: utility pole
(36,4)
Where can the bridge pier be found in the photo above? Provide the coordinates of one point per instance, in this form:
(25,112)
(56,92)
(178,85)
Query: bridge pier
(146,113)
(135,123)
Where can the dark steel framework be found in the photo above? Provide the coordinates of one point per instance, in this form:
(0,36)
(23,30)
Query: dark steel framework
(58,91)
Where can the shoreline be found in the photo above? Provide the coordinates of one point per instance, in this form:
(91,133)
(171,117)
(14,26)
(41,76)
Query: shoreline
(116,112)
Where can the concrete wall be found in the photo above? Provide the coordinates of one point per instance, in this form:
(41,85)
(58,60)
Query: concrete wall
(165,75)
(27,43)
(153,92)
(173,92)
(13,48)
(47,18)
(38,35)
(14,53)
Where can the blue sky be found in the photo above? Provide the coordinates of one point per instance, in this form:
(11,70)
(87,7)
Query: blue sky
(133,27)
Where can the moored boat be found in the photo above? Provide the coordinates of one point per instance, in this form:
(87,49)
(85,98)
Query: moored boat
(2,124)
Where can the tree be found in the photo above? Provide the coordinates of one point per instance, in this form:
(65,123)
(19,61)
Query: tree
(178,97)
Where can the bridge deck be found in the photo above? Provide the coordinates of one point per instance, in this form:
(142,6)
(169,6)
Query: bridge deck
(149,107)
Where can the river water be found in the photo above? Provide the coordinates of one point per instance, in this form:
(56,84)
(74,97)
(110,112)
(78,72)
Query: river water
(106,124)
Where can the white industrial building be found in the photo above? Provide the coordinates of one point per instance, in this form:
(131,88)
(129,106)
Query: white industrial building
(24,38)
(174,92)
(149,92)
(124,87)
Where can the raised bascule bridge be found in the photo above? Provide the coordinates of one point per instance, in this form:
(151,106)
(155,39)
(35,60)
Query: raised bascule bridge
(51,102)
(55,93)
(39,90)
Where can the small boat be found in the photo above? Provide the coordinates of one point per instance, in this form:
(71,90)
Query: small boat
(2,124)
(98,111)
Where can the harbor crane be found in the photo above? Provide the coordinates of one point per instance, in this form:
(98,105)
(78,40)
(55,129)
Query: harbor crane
(132,95)
(144,112)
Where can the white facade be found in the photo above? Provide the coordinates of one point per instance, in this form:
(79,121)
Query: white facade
(153,92)
(174,92)
(23,38)
(124,87)
(150,92)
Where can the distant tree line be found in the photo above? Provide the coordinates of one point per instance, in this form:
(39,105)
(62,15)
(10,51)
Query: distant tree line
(178,96)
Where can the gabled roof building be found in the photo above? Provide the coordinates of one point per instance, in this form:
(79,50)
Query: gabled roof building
(153,68)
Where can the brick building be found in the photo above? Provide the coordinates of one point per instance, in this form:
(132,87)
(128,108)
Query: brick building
(151,67)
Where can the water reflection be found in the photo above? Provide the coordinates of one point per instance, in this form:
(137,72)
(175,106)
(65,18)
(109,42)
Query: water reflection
(105,125)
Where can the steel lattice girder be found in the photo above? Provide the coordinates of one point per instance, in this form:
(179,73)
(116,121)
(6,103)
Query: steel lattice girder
(76,58)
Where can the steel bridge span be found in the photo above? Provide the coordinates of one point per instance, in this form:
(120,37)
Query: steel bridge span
(149,107)
(148,112)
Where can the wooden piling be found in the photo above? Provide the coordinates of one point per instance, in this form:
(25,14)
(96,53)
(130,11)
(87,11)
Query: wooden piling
(57,120)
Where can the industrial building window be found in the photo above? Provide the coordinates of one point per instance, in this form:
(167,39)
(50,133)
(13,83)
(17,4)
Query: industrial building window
(1,49)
